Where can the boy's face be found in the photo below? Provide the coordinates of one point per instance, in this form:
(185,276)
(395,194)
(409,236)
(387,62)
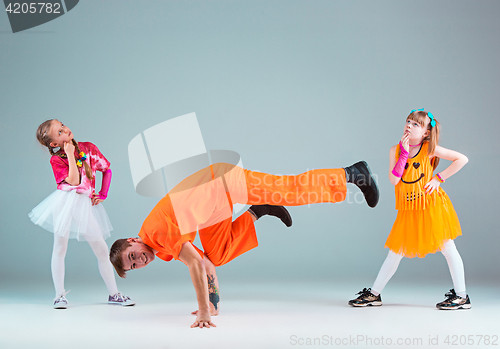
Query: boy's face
(136,256)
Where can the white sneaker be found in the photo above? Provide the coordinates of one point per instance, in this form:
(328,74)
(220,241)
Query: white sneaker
(120,299)
(60,302)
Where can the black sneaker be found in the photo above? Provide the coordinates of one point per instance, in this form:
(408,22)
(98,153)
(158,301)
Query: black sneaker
(454,302)
(366,298)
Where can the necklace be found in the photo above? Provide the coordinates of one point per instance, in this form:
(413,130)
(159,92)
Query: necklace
(415,145)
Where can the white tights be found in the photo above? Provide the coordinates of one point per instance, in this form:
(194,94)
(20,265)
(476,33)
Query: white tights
(101,252)
(449,251)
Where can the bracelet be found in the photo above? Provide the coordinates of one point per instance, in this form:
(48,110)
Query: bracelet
(441,179)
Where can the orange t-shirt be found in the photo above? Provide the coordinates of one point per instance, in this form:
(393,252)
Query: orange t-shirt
(160,231)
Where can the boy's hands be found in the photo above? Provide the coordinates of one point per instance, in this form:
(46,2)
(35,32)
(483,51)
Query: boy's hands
(203,319)
(213,312)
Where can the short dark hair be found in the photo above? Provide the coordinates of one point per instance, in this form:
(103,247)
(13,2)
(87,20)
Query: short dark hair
(115,256)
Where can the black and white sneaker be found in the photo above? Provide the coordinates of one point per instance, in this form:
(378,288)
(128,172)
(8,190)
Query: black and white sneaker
(366,298)
(454,302)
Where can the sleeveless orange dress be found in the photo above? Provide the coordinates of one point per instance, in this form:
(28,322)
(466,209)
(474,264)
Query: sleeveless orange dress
(424,222)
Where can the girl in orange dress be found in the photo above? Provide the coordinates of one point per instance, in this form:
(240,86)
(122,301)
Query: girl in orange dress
(426,221)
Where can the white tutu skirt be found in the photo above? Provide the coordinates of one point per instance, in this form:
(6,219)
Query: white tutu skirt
(71,215)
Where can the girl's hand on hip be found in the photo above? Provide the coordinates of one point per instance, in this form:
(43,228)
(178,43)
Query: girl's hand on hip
(433,184)
(96,199)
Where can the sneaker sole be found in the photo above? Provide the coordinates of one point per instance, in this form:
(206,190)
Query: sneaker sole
(289,217)
(465,306)
(376,304)
(61,307)
(120,303)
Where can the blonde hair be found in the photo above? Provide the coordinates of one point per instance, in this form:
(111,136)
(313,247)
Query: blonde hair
(433,137)
(42,135)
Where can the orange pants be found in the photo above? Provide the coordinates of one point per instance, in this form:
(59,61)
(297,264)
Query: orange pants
(223,240)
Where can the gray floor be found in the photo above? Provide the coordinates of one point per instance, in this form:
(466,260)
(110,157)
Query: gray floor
(267,315)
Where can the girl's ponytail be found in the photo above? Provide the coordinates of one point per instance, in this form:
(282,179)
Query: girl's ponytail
(88,170)
(433,139)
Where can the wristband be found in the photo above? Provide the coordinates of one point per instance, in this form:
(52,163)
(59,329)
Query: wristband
(441,179)
(400,165)
(106,180)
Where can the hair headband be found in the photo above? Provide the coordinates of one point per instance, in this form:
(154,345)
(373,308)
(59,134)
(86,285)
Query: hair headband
(429,114)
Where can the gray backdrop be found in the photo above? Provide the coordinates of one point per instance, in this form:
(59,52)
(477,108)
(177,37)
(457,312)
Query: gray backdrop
(290,86)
